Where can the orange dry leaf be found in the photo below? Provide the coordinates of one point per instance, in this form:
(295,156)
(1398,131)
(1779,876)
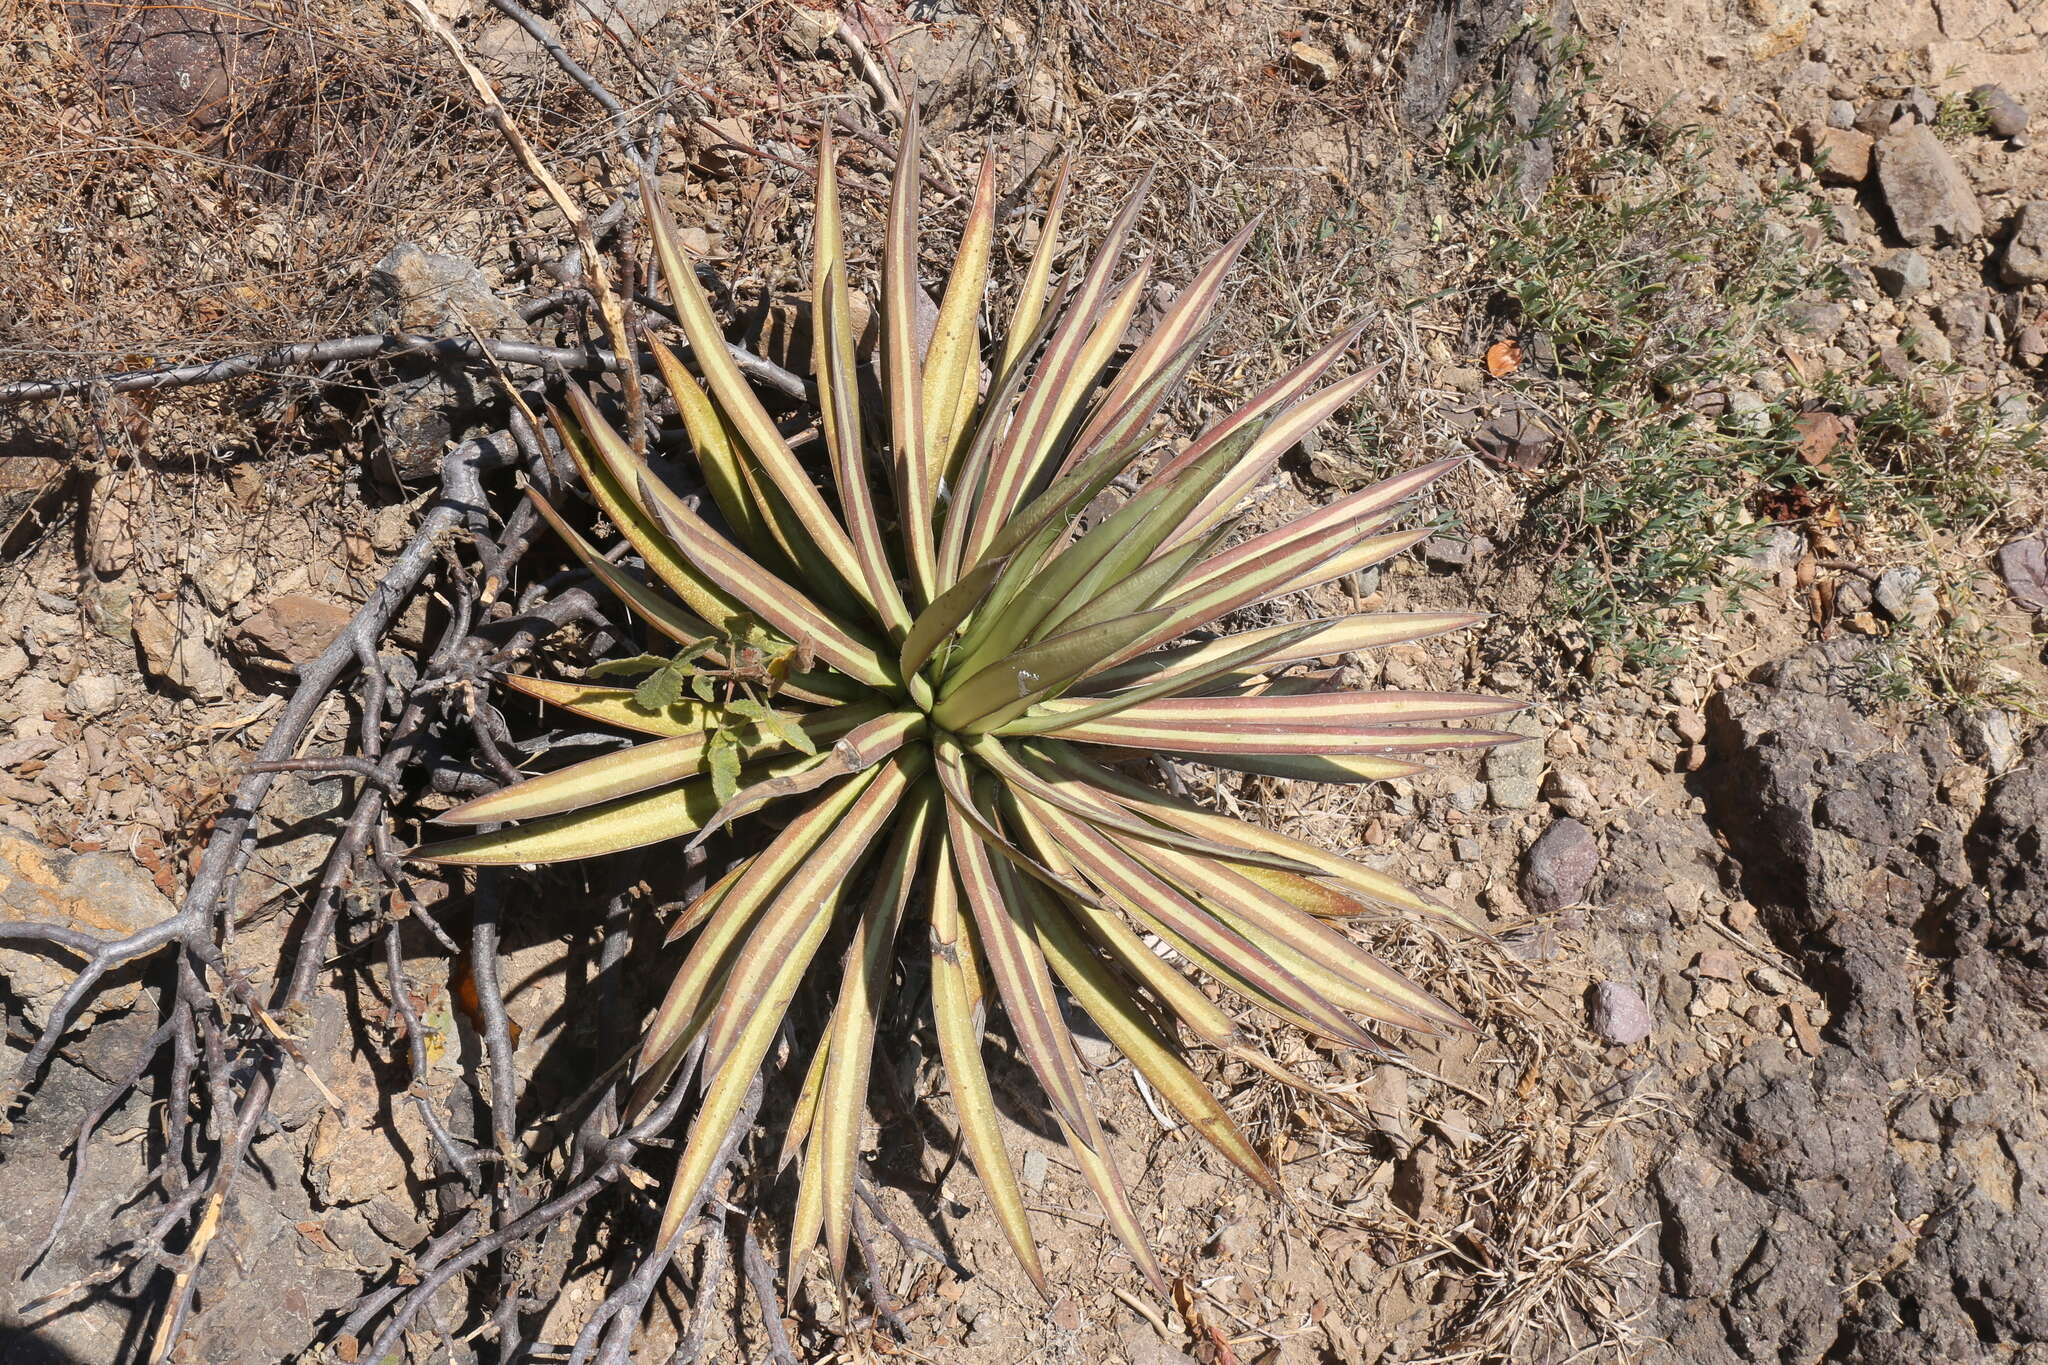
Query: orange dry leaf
(1503,357)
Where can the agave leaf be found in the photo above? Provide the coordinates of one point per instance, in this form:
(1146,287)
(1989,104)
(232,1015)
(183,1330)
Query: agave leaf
(1061,715)
(1278,437)
(1106,555)
(1325,527)
(1280,393)
(971,471)
(774,601)
(1011,911)
(803,1112)
(1304,565)
(1031,293)
(861,748)
(1019,972)
(863,985)
(1317,953)
(1339,768)
(939,620)
(1324,639)
(1058,385)
(807,1219)
(719,456)
(993,695)
(650,606)
(1199,934)
(953,1010)
(1110,1004)
(737,903)
(1181,997)
(1279,723)
(1050,787)
(765,978)
(736,399)
(952,367)
(635,770)
(613,706)
(903,367)
(1135,394)
(630,822)
(600,461)
(839,384)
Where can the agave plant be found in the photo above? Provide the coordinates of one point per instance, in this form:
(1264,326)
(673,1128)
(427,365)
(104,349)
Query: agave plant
(933,669)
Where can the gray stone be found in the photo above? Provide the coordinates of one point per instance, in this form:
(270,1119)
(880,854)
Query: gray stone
(439,295)
(2025,260)
(1987,736)
(92,694)
(2023,564)
(1841,114)
(1929,199)
(1879,116)
(1852,595)
(1902,274)
(1902,596)
(2004,115)
(1514,772)
(1619,1014)
(1559,866)
(1447,552)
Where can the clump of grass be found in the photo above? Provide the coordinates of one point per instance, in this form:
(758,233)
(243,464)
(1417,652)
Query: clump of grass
(1652,290)
(1656,300)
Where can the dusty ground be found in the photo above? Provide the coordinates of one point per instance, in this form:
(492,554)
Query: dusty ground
(1758,1073)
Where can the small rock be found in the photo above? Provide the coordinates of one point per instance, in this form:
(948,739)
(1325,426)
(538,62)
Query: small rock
(1033,1169)
(2005,116)
(438,294)
(13,662)
(1965,316)
(1902,274)
(806,30)
(292,629)
(103,894)
(1852,595)
(1840,155)
(1987,737)
(1718,964)
(1927,341)
(1920,101)
(1619,1014)
(1841,114)
(1901,596)
(1467,850)
(1514,772)
(179,657)
(1879,117)
(1319,64)
(225,582)
(1570,794)
(1559,866)
(1929,198)
(1710,998)
(2025,260)
(1770,980)
(1447,553)
(1821,319)
(2023,564)
(92,694)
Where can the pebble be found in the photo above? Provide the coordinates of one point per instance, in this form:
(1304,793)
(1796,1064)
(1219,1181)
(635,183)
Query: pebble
(2025,260)
(1619,1014)
(1770,981)
(1559,866)
(1929,197)
(2006,116)
(1514,772)
(1841,114)
(1840,155)
(2023,564)
(1902,274)
(1901,596)
(1448,553)
(92,694)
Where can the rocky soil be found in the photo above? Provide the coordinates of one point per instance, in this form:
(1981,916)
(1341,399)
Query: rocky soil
(1760,1067)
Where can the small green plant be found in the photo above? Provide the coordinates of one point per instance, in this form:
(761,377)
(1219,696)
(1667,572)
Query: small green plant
(932,671)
